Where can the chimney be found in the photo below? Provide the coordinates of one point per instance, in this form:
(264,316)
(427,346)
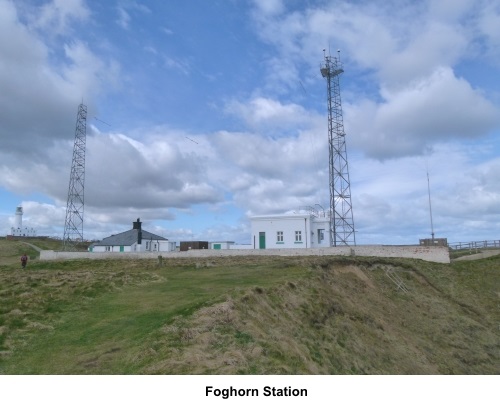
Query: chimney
(137,225)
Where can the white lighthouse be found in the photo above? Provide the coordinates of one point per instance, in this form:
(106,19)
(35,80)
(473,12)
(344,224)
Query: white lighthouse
(18,223)
(17,229)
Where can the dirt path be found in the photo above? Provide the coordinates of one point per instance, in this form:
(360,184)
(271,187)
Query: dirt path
(33,246)
(481,255)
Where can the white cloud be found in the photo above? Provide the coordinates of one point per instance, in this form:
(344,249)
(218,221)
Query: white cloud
(180,65)
(87,71)
(41,216)
(123,18)
(399,43)
(269,7)
(269,175)
(405,93)
(429,110)
(157,174)
(438,45)
(123,9)
(267,113)
(39,93)
(489,29)
(56,16)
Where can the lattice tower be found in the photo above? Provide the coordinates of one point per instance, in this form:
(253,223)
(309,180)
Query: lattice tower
(341,215)
(73,225)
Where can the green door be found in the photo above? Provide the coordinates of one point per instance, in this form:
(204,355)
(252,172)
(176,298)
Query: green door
(122,249)
(262,240)
(217,246)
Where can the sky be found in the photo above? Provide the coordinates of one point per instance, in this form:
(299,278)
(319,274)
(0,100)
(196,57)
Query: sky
(204,113)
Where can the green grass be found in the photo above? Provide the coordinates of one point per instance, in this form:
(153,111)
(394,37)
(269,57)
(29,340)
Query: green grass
(248,315)
(109,306)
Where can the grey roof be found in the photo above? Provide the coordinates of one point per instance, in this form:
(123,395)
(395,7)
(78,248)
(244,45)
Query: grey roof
(128,238)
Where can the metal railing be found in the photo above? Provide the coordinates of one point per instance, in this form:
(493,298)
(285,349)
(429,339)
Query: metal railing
(483,244)
(397,280)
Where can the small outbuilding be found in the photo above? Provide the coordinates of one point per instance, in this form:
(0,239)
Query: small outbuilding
(433,242)
(191,245)
(134,240)
(221,245)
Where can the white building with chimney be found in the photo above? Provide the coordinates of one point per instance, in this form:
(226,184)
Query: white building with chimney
(134,240)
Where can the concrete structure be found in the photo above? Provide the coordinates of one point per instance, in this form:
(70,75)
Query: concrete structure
(193,245)
(17,229)
(433,242)
(220,245)
(437,254)
(134,240)
(305,229)
(240,247)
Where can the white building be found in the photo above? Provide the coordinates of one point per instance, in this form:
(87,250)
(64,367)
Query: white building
(307,228)
(134,240)
(221,245)
(17,229)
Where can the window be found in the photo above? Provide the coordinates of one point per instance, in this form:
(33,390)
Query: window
(108,248)
(279,237)
(147,245)
(298,236)
(321,235)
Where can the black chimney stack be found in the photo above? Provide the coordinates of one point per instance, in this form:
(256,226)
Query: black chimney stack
(137,225)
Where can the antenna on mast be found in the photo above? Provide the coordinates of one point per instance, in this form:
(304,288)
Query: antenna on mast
(430,205)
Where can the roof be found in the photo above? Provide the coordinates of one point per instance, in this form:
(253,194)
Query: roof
(128,238)
(313,217)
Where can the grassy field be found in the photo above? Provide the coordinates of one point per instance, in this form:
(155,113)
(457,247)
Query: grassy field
(247,315)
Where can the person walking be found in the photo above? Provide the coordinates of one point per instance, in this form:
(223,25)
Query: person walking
(24,260)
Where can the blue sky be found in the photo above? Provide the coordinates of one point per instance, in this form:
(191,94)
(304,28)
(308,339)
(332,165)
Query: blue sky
(201,114)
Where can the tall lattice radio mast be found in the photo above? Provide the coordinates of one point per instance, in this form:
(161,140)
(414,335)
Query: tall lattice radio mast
(73,225)
(341,216)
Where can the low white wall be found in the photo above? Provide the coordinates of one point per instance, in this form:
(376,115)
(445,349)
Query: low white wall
(437,254)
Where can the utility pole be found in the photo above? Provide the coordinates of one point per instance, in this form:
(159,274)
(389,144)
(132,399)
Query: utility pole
(430,207)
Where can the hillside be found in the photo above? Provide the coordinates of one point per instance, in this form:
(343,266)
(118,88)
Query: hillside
(260,315)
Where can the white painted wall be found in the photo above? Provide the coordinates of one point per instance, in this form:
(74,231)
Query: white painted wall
(439,254)
(146,246)
(154,245)
(265,231)
(240,247)
(222,245)
(320,224)
(23,231)
(101,249)
(290,224)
